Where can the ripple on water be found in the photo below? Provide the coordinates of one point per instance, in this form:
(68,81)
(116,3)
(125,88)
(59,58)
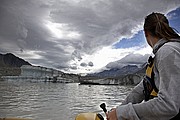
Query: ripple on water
(44,101)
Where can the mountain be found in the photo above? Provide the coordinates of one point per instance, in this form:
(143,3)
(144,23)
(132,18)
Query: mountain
(115,72)
(10,60)
(10,65)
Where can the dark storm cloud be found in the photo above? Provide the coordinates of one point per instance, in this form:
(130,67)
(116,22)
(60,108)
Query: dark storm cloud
(24,30)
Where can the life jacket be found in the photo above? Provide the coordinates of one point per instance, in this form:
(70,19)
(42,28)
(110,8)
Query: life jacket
(150,90)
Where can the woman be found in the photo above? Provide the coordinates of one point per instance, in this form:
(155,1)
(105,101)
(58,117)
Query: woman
(165,74)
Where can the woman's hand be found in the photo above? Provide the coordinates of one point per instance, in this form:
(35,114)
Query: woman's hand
(112,114)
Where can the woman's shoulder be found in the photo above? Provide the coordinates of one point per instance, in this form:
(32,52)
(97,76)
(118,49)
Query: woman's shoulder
(169,48)
(173,44)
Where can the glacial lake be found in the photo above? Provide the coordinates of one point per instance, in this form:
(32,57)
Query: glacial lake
(56,101)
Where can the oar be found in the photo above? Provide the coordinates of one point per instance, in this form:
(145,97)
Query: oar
(103,106)
(15,119)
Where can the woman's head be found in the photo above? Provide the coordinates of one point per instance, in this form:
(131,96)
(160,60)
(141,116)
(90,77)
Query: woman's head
(158,26)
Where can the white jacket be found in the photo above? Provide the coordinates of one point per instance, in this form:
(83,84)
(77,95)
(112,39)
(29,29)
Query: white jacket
(167,80)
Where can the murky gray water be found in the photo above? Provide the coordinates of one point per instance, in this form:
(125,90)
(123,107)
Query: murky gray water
(56,101)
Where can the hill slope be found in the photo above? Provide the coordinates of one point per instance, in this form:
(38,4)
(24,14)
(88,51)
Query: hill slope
(10,60)
(116,72)
(10,64)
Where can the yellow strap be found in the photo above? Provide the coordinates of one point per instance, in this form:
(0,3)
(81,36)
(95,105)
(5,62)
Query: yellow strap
(149,70)
(153,93)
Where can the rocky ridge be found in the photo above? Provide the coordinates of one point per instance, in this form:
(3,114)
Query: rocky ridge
(10,64)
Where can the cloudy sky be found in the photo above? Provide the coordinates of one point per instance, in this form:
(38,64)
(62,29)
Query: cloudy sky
(80,36)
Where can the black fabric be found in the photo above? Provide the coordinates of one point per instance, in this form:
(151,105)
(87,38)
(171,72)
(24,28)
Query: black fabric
(153,82)
(100,116)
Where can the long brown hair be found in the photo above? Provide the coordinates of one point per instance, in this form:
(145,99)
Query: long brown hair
(158,25)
